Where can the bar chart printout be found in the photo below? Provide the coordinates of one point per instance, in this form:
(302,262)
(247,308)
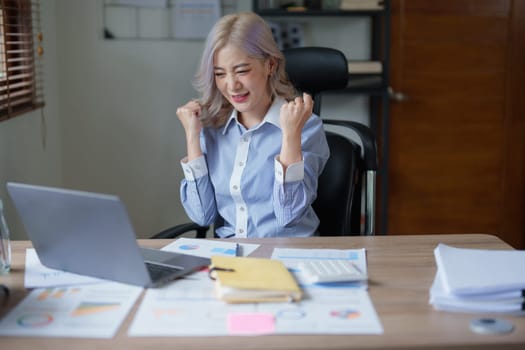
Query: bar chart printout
(92,311)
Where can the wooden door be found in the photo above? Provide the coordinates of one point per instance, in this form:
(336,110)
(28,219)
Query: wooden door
(457,150)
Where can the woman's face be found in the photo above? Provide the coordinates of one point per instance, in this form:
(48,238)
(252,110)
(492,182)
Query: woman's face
(243,81)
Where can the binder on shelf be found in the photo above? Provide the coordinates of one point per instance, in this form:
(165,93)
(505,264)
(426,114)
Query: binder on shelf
(365,67)
(247,280)
(362,5)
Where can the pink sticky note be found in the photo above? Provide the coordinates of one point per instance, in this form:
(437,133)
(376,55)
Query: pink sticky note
(251,323)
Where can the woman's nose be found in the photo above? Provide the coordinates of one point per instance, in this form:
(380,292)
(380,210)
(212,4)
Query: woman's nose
(233,82)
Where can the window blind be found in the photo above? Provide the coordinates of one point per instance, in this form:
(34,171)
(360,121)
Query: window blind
(21,66)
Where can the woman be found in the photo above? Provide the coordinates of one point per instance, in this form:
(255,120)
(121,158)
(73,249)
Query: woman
(255,150)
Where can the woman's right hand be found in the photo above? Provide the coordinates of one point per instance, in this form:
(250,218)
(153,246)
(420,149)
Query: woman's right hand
(189,117)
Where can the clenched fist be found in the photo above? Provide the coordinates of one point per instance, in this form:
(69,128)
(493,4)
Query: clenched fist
(189,117)
(295,113)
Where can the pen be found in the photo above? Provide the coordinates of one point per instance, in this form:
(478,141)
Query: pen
(357,268)
(238,249)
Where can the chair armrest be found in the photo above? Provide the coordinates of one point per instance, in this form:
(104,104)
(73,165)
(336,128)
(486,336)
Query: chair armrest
(178,230)
(367,137)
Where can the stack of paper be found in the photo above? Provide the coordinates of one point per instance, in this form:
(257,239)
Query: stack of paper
(477,280)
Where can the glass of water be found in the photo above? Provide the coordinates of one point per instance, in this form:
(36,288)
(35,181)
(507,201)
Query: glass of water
(5,245)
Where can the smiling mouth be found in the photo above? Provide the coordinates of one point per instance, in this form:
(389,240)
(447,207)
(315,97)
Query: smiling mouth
(240,98)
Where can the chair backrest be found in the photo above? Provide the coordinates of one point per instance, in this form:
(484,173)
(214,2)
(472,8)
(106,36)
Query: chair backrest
(315,70)
(349,174)
(335,195)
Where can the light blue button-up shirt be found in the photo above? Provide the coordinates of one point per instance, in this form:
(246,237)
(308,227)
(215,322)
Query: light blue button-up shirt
(240,179)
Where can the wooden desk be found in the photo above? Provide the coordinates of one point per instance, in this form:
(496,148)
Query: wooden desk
(401,270)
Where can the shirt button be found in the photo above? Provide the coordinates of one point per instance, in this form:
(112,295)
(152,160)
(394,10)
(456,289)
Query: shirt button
(241,208)
(241,163)
(241,230)
(235,187)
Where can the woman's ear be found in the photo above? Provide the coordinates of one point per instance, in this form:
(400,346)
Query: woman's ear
(272,65)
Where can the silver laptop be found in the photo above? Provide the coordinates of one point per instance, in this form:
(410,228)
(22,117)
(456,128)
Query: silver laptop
(91,234)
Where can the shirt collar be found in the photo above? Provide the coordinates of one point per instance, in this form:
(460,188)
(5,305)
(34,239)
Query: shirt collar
(272,116)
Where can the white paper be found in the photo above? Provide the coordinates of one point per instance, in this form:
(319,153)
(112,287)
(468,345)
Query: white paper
(437,292)
(37,275)
(506,302)
(478,271)
(291,257)
(206,248)
(186,308)
(190,308)
(193,19)
(93,311)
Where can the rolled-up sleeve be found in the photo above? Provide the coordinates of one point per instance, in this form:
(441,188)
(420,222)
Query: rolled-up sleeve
(194,169)
(296,188)
(294,172)
(196,192)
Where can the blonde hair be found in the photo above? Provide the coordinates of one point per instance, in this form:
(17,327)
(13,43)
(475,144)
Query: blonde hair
(250,33)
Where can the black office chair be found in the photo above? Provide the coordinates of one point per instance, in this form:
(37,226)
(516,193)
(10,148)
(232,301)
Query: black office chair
(350,168)
(350,172)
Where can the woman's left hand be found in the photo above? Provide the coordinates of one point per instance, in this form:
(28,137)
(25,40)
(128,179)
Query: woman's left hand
(295,113)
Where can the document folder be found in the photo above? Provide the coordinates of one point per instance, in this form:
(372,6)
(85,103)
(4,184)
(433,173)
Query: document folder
(247,280)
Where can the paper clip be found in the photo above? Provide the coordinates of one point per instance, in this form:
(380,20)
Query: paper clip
(213,269)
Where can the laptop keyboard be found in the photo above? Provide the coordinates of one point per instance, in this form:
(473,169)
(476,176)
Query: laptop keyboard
(158,272)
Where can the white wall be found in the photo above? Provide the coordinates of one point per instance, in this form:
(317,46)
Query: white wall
(30,145)
(118,102)
(111,124)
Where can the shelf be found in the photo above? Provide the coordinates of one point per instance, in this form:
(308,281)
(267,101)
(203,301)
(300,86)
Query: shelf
(366,83)
(369,78)
(318,13)
(321,8)
(370,84)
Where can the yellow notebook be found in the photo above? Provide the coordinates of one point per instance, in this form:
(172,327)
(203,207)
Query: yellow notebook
(247,280)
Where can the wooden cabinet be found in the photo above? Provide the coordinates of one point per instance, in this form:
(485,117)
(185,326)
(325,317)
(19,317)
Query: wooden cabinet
(457,149)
